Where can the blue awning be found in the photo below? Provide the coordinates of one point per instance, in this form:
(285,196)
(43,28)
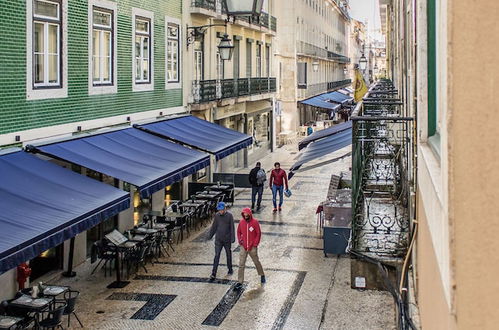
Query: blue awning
(144,160)
(336,97)
(43,205)
(323,147)
(200,134)
(324,133)
(317,101)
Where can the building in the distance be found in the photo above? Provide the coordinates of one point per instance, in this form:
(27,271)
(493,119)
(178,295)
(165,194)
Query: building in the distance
(236,93)
(312,54)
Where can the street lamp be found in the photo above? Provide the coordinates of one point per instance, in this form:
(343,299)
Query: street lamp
(362,62)
(315,66)
(243,7)
(225,48)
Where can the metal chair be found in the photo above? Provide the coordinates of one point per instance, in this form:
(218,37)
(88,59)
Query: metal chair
(105,253)
(70,299)
(54,316)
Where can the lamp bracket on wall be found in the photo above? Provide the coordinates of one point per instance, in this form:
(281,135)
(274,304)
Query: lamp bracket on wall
(194,32)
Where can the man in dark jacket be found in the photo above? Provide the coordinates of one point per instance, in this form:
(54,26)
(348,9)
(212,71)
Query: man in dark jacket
(257,182)
(223,229)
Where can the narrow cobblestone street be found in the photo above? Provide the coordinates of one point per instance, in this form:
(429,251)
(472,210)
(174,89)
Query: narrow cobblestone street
(304,290)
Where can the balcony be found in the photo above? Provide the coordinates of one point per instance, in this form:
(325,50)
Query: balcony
(307,49)
(214,90)
(380,177)
(306,91)
(214,8)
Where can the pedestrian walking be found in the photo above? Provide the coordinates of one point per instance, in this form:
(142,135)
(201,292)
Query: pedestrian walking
(223,229)
(257,178)
(278,180)
(248,236)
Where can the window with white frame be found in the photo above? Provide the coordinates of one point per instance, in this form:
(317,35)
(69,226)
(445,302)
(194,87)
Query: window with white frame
(47,32)
(259,60)
(172,53)
(220,67)
(102,46)
(142,50)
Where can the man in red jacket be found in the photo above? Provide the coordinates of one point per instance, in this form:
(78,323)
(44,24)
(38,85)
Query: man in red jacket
(248,235)
(278,179)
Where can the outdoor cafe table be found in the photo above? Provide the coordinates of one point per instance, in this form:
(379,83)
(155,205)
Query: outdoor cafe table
(54,290)
(217,188)
(31,305)
(9,322)
(155,213)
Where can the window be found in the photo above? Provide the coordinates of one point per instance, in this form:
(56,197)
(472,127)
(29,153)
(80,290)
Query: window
(259,60)
(102,47)
(220,67)
(46,43)
(172,52)
(248,58)
(142,50)
(267,60)
(436,74)
(302,75)
(198,59)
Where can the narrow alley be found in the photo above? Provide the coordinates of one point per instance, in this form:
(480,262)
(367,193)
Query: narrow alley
(304,289)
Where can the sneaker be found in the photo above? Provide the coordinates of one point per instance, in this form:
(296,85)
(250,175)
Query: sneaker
(230,272)
(212,277)
(258,208)
(280,209)
(238,286)
(263,279)
(274,210)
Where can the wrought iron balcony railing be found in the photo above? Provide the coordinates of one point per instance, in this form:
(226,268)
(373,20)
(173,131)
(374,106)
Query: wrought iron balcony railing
(312,50)
(213,90)
(305,91)
(380,179)
(215,6)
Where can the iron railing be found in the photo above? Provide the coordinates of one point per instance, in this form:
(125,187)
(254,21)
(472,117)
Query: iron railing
(305,91)
(212,90)
(312,50)
(380,179)
(215,6)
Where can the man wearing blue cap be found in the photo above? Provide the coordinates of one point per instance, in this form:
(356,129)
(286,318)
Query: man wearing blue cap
(223,229)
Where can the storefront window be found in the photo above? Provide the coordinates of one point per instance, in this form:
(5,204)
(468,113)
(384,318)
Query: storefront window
(46,262)
(261,129)
(98,232)
(141,206)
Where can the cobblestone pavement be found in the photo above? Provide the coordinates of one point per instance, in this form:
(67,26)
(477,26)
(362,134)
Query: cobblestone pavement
(304,290)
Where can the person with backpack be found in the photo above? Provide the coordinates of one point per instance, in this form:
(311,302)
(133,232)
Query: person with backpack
(278,179)
(257,178)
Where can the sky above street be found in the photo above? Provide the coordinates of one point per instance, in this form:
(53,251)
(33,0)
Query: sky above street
(367,10)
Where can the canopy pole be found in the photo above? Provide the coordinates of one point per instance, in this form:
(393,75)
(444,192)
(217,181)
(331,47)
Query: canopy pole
(70,272)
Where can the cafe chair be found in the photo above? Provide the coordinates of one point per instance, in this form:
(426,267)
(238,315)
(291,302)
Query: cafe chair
(70,300)
(104,253)
(54,316)
(6,309)
(137,258)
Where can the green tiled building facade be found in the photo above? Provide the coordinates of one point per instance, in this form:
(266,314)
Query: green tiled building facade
(19,113)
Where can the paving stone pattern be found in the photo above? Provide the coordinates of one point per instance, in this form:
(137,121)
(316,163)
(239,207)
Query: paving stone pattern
(304,290)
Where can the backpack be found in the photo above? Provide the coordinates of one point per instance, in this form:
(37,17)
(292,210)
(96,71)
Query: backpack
(261,177)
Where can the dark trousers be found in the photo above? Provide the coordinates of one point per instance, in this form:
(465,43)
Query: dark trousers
(254,191)
(218,250)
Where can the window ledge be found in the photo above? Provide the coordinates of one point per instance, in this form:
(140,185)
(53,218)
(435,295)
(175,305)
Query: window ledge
(431,160)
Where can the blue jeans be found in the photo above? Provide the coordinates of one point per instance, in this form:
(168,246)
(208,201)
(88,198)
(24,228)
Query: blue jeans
(276,189)
(258,190)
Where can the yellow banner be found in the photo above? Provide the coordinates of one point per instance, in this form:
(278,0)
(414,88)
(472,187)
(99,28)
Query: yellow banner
(360,86)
